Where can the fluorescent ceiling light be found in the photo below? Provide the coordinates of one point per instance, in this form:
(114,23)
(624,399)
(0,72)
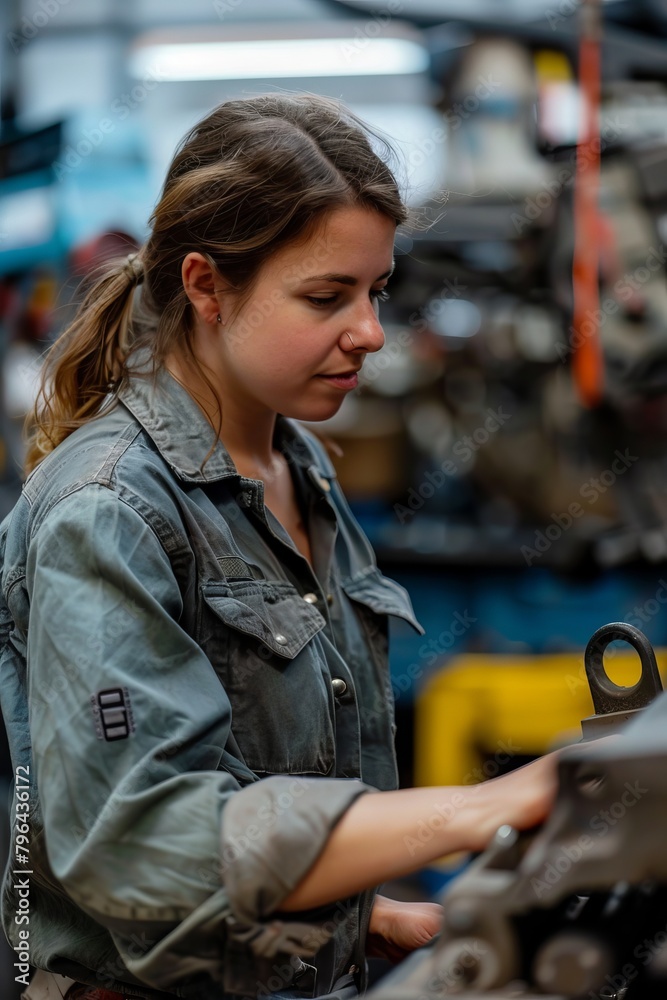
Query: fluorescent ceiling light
(274,58)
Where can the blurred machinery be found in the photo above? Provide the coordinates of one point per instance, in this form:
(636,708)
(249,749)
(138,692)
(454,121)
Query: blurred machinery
(477,371)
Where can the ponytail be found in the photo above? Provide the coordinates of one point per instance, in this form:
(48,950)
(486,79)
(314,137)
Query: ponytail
(83,369)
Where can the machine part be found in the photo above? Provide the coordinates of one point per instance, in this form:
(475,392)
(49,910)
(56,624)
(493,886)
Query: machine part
(478,942)
(578,909)
(615,705)
(573,964)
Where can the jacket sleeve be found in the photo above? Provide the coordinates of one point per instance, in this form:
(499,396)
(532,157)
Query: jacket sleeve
(146,826)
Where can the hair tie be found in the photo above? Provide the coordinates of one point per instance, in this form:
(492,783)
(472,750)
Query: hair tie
(134,268)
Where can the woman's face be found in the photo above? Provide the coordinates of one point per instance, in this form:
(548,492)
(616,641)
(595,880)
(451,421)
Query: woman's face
(296,345)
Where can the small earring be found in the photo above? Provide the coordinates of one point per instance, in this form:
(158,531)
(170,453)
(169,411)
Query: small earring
(219,318)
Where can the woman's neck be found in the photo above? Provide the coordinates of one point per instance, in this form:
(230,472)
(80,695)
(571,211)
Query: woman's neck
(245,430)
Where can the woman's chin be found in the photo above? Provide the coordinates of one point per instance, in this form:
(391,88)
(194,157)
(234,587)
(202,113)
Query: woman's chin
(313,413)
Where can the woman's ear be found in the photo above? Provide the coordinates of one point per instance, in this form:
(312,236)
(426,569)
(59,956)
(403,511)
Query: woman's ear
(203,286)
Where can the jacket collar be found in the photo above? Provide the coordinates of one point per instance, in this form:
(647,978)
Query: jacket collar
(184,437)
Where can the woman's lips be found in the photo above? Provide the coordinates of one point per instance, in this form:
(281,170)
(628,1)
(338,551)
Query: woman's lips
(348,380)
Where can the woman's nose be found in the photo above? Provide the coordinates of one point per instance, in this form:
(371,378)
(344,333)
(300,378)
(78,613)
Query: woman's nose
(365,333)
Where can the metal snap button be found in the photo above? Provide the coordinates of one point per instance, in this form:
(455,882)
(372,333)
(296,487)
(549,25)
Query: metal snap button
(310,598)
(330,598)
(338,686)
(281,639)
(324,483)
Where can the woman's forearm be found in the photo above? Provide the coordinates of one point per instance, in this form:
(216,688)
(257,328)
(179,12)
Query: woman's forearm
(390,834)
(381,837)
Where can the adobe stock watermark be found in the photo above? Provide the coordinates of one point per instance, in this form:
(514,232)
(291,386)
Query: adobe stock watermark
(225,7)
(287,973)
(565,9)
(422,318)
(536,204)
(600,824)
(135,947)
(382,704)
(640,616)
(456,975)
(372,28)
(237,845)
(462,452)
(283,975)
(624,289)
(321,932)
(430,651)
(590,491)
(262,311)
(460,111)
(433,649)
(151,770)
(453,118)
(80,657)
(616,985)
(20,866)
(419,321)
(91,139)
(443,812)
(580,679)
(31,26)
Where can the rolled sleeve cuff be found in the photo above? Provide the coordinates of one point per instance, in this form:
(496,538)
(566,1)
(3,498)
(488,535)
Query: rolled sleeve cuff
(273,831)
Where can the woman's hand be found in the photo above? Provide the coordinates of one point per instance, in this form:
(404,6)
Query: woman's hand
(398,928)
(388,835)
(521,798)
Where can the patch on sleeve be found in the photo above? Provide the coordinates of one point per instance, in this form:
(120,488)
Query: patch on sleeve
(112,713)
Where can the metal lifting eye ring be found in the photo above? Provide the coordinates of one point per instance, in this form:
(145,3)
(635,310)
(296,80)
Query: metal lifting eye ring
(608,696)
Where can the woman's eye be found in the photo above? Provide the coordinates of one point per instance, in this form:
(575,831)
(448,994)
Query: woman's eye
(379,295)
(321,302)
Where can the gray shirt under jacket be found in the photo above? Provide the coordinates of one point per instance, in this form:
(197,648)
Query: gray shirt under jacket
(192,706)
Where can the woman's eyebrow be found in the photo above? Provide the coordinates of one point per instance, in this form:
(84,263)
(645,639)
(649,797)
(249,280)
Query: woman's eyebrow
(345,279)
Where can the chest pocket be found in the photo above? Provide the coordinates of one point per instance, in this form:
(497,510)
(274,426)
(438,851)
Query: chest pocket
(381,594)
(376,597)
(260,636)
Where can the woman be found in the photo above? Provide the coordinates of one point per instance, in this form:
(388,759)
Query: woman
(194,676)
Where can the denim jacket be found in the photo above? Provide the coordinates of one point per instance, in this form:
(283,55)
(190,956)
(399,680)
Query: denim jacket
(191,706)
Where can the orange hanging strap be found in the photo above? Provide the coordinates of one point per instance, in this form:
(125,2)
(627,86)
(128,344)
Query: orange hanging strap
(587,363)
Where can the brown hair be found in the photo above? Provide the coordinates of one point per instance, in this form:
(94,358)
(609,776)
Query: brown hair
(251,177)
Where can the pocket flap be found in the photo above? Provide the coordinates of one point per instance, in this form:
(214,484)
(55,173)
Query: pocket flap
(271,611)
(382,595)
